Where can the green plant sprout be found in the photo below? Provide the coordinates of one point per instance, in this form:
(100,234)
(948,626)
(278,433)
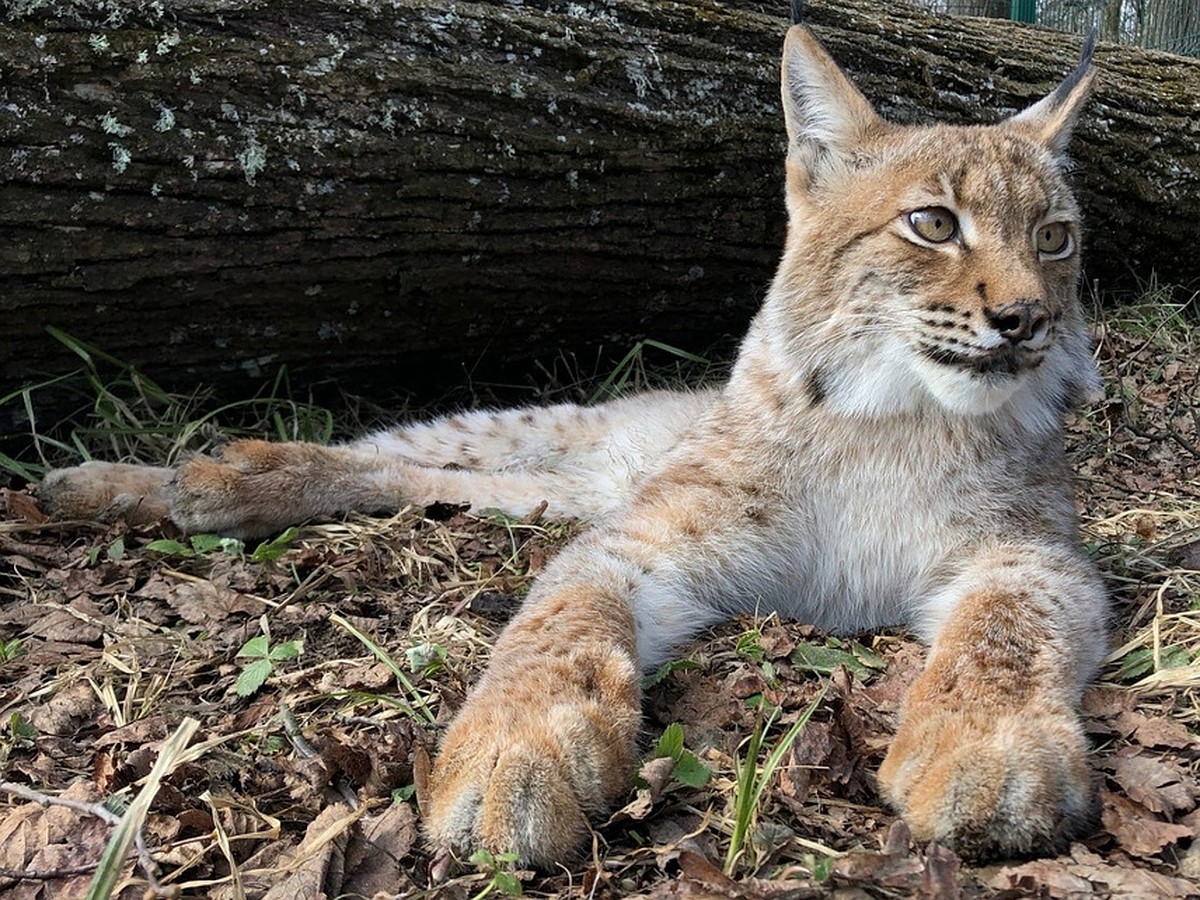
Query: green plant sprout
(264,657)
(752,781)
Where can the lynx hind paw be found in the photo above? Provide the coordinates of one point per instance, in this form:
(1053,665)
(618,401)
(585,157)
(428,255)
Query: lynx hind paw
(991,786)
(104,491)
(524,768)
(256,488)
(249,491)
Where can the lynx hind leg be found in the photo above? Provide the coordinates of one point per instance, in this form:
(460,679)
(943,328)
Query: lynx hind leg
(255,488)
(102,491)
(628,434)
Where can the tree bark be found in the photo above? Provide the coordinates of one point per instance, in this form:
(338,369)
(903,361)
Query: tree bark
(412,189)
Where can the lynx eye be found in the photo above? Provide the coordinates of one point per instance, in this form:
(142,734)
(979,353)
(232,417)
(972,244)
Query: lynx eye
(935,224)
(1052,239)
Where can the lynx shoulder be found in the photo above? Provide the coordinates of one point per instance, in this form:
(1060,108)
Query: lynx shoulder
(887,451)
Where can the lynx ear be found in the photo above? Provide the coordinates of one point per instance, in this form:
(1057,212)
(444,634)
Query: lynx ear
(1052,119)
(826,115)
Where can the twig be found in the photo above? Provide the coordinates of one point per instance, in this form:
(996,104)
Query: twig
(96,810)
(292,729)
(305,750)
(12,876)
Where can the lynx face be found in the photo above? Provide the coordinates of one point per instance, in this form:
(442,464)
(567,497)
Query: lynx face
(974,273)
(951,253)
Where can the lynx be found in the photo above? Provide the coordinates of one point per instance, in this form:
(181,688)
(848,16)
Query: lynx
(888,450)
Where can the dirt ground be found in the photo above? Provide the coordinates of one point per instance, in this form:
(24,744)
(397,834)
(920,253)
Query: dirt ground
(318,670)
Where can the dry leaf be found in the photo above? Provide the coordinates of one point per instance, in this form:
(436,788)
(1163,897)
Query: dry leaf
(201,603)
(64,712)
(1160,786)
(636,809)
(940,878)
(375,859)
(880,868)
(61,625)
(1161,731)
(657,774)
(317,864)
(23,508)
(1135,828)
(1050,875)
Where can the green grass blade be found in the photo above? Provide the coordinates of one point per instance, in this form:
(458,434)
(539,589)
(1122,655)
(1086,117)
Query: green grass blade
(752,783)
(675,351)
(382,656)
(783,746)
(743,810)
(10,465)
(115,853)
(90,354)
(30,388)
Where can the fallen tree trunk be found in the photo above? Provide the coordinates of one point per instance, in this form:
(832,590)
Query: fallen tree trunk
(365,188)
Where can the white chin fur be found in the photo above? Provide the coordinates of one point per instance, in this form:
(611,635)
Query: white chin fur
(968,394)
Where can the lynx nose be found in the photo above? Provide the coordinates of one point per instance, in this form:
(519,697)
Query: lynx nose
(1019,321)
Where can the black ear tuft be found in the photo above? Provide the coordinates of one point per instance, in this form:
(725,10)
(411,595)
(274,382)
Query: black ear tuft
(1081,70)
(797,12)
(1089,47)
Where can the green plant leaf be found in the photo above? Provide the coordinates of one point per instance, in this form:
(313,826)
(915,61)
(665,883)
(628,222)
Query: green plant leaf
(821,868)
(286,650)
(867,656)
(116,550)
(422,657)
(664,671)
(671,742)
(690,771)
(508,883)
(750,646)
(11,649)
(256,646)
(253,677)
(269,551)
(1135,664)
(825,660)
(482,858)
(21,727)
(206,543)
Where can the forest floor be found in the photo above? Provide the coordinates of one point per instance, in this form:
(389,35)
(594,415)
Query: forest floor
(263,716)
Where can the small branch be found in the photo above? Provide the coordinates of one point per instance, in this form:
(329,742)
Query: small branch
(292,729)
(12,876)
(97,810)
(305,750)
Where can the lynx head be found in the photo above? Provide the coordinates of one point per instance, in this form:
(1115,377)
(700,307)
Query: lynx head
(931,264)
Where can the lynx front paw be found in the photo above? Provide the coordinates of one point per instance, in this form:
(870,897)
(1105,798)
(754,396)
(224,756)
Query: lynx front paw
(990,784)
(534,756)
(100,490)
